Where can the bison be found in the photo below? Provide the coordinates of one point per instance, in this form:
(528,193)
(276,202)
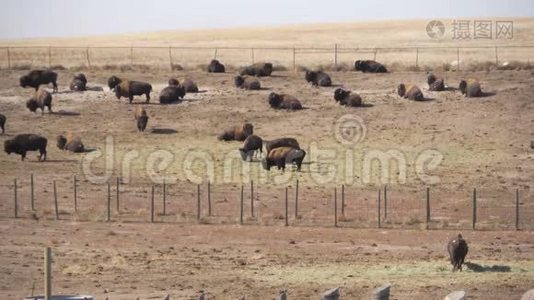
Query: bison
(237,133)
(23,143)
(141,117)
(369,66)
(457,248)
(281,142)
(258,69)
(283,155)
(41,99)
(435,83)
(190,86)
(247,83)
(173,82)
(347,98)
(283,101)
(37,77)
(129,89)
(318,78)
(70,142)
(78,83)
(2,122)
(470,88)
(216,67)
(173,93)
(410,91)
(251,144)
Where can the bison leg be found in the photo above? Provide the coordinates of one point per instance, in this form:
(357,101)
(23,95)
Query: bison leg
(42,154)
(23,155)
(50,108)
(130,98)
(147,97)
(55,86)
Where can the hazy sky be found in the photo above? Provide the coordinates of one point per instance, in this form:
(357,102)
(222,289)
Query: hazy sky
(64,18)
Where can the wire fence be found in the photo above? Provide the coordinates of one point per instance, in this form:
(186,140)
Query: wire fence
(25,57)
(69,198)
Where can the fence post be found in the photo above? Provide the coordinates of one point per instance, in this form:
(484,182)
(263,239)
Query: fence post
(16,200)
(343,200)
(517,209)
(49,56)
(87,57)
(32,199)
(496,57)
(335,206)
(378,207)
(198,202)
(209,198)
(74,187)
(252,54)
(385,201)
(118,193)
(55,201)
(252,198)
(170,57)
(294,60)
(152,205)
(109,202)
(335,55)
(374,57)
(458,59)
(297,200)
(287,208)
(48,273)
(131,56)
(417,57)
(427,207)
(215,54)
(8,58)
(164,200)
(241,206)
(474,207)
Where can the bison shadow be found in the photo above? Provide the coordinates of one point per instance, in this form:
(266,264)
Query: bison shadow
(479,268)
(163,131)
(277,76)
(56,161)
(65,113)
(95,89)
(487,94)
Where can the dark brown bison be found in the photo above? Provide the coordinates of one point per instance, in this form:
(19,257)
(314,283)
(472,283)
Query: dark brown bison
(237,133)
(23,143)
(258,69)
(457,248)
(283,101)
(470,87)
(78,83)
(216,67)
(410,91)
(318,78)
(250,146)
(283,155)
(435,83)
(37,77)
(282,142)
(129,89)
(347,98)
(70,142)
(369,66)
(141,117)
(41,99)
(247,83)
(173,93)
(190,86)
(2,123)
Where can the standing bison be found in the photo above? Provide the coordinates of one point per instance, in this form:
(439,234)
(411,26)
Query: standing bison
(318,78)
(434,83)
(172,93)
(129,89)
(23,143)
(41,99)
(247,83)
(2,123)
(141,117)
(282,142)
(258,69)
(216,67)
(283,155)
(283,101)
(347,98)
(457,248)
(237,133)
(470,88)
(37,77)
(250,146)
(369,66)
(70,142)
(78,83)
(410,91)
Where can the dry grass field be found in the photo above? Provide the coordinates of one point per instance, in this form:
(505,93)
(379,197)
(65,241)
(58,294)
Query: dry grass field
(483,143)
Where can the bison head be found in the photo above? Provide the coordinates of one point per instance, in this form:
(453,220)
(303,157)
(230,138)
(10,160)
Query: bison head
(9,146)
(401,90)
(61,142)
(431,78)
(268,67)
(266,165)
(463,86)
(141,122)
(275,99)
(238,81)
(32,105)
(174,82)
(310,76)
(25,81)
(248,129)
(113,81)
(118,91)
(81,77)
(340,94)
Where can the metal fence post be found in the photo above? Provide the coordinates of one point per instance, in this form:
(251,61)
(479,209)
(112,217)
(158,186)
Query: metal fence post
(170,57)
(517,209)
(8,58)
(164,198)
(16,200)
(297,200)
(75,190)
(32,202)
(385,201)
(335,55)
(49,56)
(496,56)
(252,54)
(417,57)
(109,202)
(294,60)
(209,198)
(241,207)
(458,59)
(198,202)
(48,273)
(335,207)
(378,208)
(87,57)
(287,208)
(427,207)
(474,208)
(55,201)
(252,198)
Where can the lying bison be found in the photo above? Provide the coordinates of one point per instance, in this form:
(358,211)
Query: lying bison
(283,101)
(457,248)
(190,86)
(78,83)
(410,91)
(23,143)
(283,155)
(470,88)
(237,133)
(2,123)
(216,67)
(258,69)
(41,99)
(141,117)
(37,77)
(172,93)
(436,84)
(282,142)
(70,142)
(347,98)
(250,146)
(369,66)
(129,89)
(247,83)
(318,78)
